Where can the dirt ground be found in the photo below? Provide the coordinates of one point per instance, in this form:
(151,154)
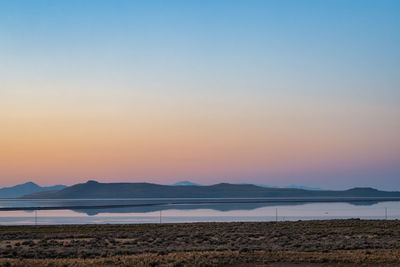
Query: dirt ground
(301,243)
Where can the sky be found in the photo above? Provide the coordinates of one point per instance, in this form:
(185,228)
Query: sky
(275,92)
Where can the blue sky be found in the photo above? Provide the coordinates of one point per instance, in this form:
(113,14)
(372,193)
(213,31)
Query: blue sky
(197,72)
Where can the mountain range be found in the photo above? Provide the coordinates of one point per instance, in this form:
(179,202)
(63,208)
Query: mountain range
(186,182)
(93,189)
(289,186)
(26,189)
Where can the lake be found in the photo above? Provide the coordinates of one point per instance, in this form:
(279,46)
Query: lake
(186,210)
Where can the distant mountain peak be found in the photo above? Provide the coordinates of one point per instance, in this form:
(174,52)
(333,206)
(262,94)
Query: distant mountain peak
(186,183)
(26,189)
(303,187)
(30,183)
(24,186)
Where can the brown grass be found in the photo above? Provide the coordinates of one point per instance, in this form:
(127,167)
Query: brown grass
(321,243)
(384,257)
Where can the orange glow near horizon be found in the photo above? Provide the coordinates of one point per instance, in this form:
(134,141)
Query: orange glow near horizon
(165,145)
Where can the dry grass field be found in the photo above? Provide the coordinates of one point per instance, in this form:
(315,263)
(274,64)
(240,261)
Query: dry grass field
(301,243)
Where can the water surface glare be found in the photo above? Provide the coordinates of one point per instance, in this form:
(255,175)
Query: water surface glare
(205,212)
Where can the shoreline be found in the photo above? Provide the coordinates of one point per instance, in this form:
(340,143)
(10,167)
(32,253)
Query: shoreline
(176,202)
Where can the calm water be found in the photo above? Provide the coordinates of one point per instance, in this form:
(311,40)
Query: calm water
(208,212)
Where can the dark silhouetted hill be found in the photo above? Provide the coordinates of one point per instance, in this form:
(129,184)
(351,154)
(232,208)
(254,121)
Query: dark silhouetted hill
(93,189)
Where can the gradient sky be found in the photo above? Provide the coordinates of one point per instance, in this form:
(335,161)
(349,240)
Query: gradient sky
(274,92)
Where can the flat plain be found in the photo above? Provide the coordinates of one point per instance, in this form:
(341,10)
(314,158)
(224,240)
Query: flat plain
(350,242)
